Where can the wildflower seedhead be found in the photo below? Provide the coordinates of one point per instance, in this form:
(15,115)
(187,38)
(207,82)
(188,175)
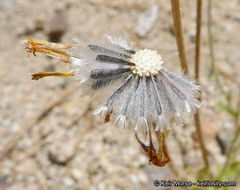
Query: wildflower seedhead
(147,62)
(147,95)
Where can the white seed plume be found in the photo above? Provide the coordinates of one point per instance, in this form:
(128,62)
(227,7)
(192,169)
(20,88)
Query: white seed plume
(147,93)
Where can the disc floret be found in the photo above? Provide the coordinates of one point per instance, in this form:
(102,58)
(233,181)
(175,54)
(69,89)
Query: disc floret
(147,62)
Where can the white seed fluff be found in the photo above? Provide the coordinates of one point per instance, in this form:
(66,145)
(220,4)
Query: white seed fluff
(147,62)
(144,93)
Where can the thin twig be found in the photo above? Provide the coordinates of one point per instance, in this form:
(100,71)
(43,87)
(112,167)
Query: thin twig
(181,50)
(12,143)
(197,78)
(200,139)
(179,34)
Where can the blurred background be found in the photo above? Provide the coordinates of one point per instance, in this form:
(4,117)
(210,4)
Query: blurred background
(49,139)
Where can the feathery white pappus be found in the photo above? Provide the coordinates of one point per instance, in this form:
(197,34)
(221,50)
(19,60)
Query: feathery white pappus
(147,92)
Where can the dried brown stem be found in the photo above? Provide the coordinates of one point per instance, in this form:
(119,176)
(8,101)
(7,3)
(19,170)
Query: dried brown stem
(197,78)
(181,49)
(200,139)
(179,34)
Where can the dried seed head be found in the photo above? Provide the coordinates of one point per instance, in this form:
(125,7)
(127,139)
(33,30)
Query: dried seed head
(147,62)
(146,92)
(146,96)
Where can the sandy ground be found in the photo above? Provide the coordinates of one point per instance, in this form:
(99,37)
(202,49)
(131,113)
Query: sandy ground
(67,147)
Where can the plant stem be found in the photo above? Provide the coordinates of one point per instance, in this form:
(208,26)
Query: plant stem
(197,78)
(179,34)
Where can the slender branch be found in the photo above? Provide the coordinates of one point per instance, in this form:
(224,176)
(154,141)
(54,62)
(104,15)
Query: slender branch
(197,78)
(200,139)
(179,34)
